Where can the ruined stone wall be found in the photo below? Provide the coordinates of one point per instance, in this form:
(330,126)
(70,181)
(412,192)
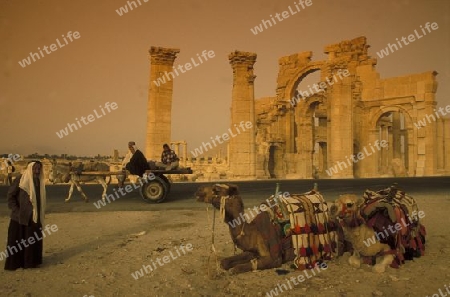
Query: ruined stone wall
(354,108)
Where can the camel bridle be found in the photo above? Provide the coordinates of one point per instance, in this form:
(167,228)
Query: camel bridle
(222,210)
(222,215)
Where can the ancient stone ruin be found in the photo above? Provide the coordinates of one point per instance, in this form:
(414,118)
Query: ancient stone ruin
(351,123)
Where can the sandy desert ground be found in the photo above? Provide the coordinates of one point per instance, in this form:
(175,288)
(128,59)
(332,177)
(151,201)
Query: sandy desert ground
(95,254)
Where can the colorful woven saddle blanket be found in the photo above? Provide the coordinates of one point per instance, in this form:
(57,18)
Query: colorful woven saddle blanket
(395,217)
(305,217)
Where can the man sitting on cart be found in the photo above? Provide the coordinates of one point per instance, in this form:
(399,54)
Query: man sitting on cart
(135,161)
(169,160)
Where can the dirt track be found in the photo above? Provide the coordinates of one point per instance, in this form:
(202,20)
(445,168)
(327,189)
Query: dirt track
(95,254)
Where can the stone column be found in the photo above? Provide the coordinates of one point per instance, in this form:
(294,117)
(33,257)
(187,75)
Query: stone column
(176,148)
(228,155)
(242,139)
(391,145)
(340,128)
(397,134)
(185,153)
(305,145)
(384,150)
(446,138)
(159,110)
(430,163)
(440,145)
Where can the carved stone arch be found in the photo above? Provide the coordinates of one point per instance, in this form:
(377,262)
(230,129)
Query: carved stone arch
(394,108)
(304,108)
(409,139)
(298,76)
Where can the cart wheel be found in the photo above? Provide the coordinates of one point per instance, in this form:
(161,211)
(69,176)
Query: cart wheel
(168,184)
(154,191)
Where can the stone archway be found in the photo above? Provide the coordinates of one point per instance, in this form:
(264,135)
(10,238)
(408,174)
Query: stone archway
(299,128)
(296,75)
(394,125)
(311,128)
(358,106)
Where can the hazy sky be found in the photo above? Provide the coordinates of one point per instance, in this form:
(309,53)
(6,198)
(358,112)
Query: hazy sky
(109,61)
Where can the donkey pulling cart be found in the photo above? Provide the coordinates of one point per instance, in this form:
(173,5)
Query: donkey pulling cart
(155,186)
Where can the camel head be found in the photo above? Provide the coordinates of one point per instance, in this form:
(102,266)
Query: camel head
(346,207)
(214,194)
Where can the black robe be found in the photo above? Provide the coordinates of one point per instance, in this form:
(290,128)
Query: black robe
(138,164)
(20,254)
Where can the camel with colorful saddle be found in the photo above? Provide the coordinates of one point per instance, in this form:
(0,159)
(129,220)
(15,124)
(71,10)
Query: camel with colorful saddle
(384,224)
(307,230)
(288,228)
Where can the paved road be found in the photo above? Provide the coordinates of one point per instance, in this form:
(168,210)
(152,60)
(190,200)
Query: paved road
(253,192)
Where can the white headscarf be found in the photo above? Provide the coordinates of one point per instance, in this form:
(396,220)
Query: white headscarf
(27,184)
(128,156)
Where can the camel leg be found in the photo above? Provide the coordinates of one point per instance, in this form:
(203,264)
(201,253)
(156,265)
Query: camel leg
(387,260)
(355,259)
(70,192)
(102,181)
(232,261)
(261,263)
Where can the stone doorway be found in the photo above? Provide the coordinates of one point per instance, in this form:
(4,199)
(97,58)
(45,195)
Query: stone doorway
(274,165)
(393,160)
(320,162)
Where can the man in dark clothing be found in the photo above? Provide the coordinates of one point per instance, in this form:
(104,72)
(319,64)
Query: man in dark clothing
(26,199)
(137,164)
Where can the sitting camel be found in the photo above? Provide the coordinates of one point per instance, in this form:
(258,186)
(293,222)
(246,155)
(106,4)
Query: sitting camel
(346,208)
(380,226)
(261,240)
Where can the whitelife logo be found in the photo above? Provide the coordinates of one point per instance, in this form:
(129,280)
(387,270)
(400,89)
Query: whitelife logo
(321,87)
(124,9)
(188,66)
(165,260)
(280,288)
(431,118)
(128,189)
(411,38)
(357,157)
(284,15)
(27,61)
(394,229)
(90,118)
(11,250)
(245,216)
(225,137)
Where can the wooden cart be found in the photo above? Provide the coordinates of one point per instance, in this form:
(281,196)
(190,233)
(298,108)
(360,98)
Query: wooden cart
(153,190)
(156,190)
